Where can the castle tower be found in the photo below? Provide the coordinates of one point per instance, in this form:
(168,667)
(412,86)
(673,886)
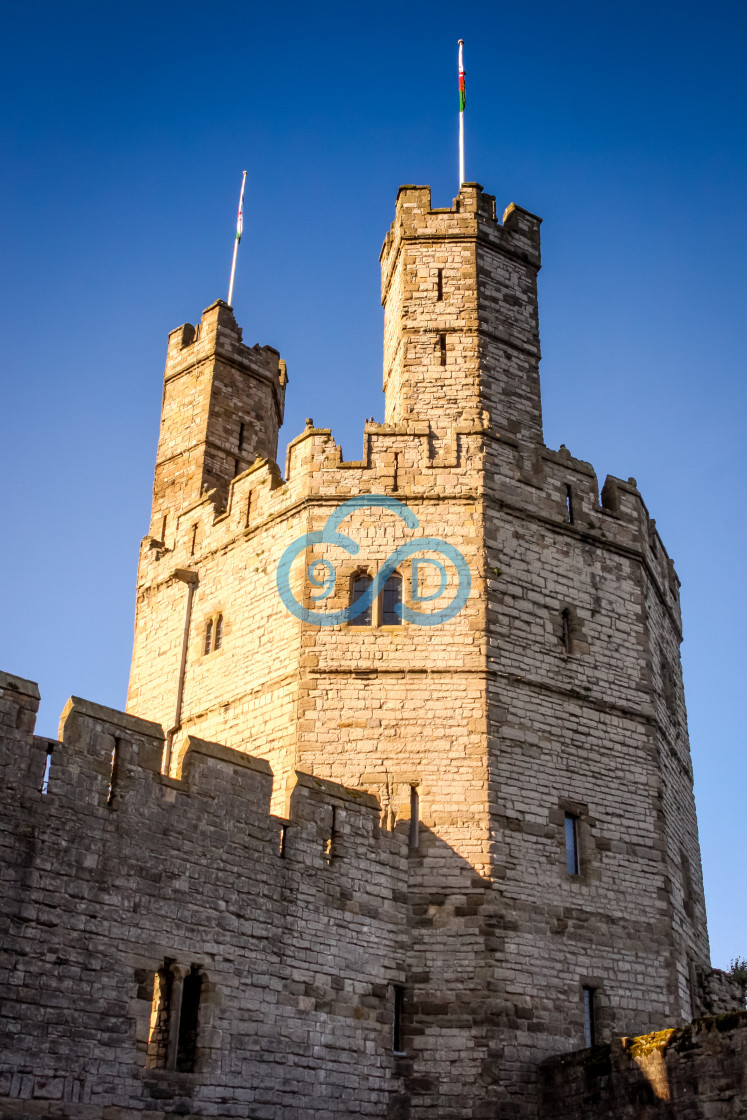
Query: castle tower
(531,750)
(461,330)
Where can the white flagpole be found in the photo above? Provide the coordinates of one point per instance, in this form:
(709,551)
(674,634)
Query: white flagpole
(239,231)
(461,114)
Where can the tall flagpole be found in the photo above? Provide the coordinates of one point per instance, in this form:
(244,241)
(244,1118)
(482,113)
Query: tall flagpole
(462,102)
(239,231)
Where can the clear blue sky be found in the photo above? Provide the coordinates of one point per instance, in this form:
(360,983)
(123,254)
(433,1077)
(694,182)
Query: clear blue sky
(124,133)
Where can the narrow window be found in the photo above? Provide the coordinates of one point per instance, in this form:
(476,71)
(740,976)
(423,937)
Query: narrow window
(329,847)
(283,840)
(590,1033)
(194,539)
(395,481)
(248,510)
(235,467)
(398,1040)
(160,1019)
(391,614)
(571,844)
(218,632)
(186,1049)
(414,818)
(208,636)
(442,348)
(113,774)
(569,503)
(566,629)
(163,529)
(440,284)
(43,789)
(241,438)
(361,584)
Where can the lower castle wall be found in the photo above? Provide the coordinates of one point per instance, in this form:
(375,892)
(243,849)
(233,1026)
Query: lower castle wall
(692,1073)
(111,873)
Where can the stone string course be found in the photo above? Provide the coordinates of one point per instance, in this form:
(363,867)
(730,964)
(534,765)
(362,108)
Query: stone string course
(492,724)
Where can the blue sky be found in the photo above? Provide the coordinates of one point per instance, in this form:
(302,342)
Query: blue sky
(124,134)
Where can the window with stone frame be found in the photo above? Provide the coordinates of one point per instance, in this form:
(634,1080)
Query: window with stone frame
(391,601)
(360,584)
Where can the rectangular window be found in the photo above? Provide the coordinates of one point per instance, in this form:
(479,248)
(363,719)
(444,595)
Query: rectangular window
(590,1034)
(44,788)
(442,348)
(569,503)
(440,284)
(241,438)
(414,818)
(398,1038)
(571,844)
(194,540)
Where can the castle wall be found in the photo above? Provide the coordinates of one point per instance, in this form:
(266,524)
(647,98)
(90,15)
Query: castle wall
(113,872)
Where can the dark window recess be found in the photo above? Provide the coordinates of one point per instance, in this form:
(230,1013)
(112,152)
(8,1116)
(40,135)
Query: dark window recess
(395,481)
(194,539)
(208,636)
(590,1027)
(283,840)
(218,632)
(163,529)
(442,348)
(113,774)
(391,614)
(186,1050)
(440,284)
(235,467)
(240,445)
(414,818)
(330,847)
(569,503)
(248,510)
(44,787)
(398,1038)
(571,844)
(565,622)
(361,584)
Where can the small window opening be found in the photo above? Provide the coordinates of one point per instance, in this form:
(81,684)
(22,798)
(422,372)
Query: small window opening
(44,788)
(565,619)
(398,1039)
(391,613)
(330,846)
(440,284)
(113,774)
(208,635)
(361,584)
(571,844)
(218,632)
(235,467)
(395,481)
(194,539)
(414,818)
(442,348)
(248,510)
(163,529)
(283,840)
(160,1019)
(186,1049)
(569,503)
(590,1031)
(241,438)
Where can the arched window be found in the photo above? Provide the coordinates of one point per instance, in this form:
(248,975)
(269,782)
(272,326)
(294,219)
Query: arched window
(392,601)
(208,635)
(218,632)
(361,583)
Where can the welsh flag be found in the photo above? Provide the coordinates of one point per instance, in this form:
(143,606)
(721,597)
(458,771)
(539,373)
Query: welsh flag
(240,219)
(462,93)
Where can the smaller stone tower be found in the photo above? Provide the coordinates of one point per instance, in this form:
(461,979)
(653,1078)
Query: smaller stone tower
(222,408)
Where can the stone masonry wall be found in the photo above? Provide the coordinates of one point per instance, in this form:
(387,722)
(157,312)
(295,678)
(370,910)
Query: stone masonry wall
(117,871)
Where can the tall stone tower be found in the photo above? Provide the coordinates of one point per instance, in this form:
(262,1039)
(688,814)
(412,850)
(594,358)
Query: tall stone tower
(532,747)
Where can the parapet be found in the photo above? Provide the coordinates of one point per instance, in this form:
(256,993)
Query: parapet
(471,215)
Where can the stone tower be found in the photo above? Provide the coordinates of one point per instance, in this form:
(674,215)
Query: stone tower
(531,750)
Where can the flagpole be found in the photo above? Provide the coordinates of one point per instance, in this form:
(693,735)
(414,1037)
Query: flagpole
(461,113)
(239,229)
